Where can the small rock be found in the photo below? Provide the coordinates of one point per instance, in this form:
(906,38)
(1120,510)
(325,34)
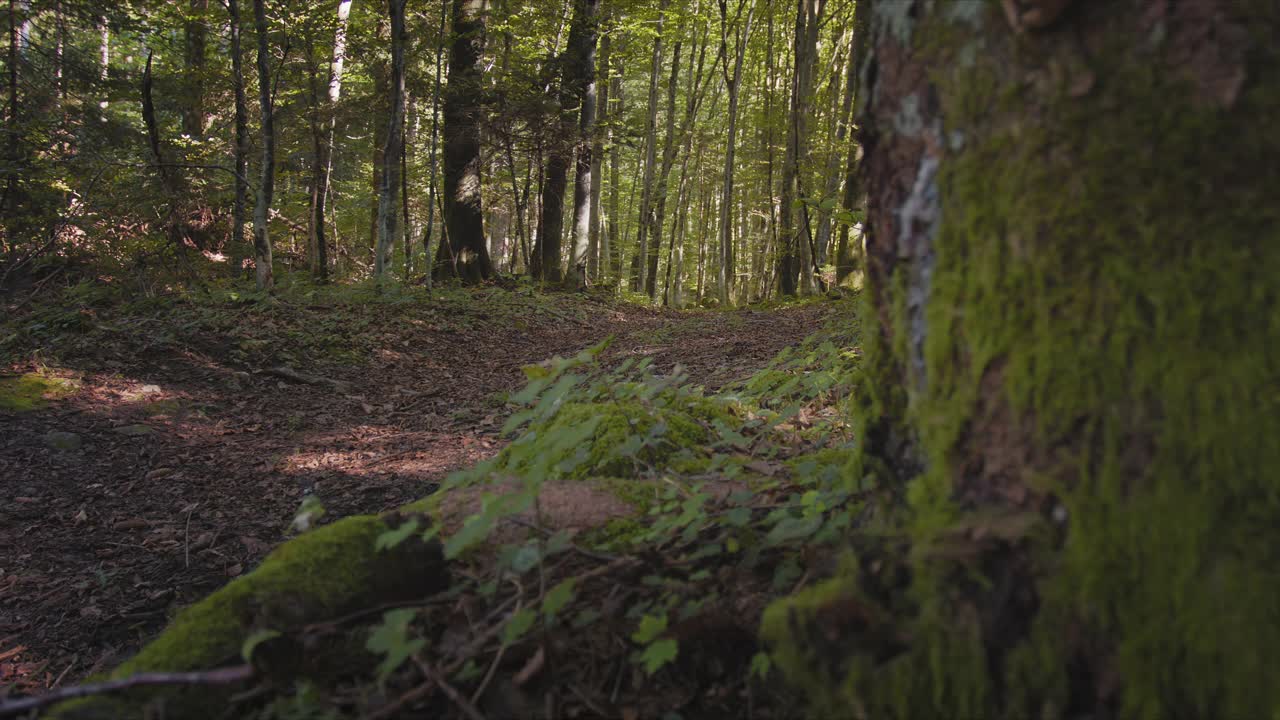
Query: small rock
(135,430)
(65,441)
(150,390)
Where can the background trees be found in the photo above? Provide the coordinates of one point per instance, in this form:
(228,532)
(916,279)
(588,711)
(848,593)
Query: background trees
(337,158)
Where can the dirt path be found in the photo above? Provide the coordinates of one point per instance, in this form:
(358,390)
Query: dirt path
(182,471)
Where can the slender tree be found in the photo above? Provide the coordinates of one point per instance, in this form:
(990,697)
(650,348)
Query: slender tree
(435,132)
(267,178)
(638,264)
(741,35)
(323,169)
(846,255)
(240,144)
(388,213)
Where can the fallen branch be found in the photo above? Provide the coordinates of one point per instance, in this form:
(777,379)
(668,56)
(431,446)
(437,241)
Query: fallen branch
(289,373)
(221,676)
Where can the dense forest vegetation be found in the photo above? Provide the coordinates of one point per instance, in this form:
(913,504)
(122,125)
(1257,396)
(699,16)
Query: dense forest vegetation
(633,358)
(696,153)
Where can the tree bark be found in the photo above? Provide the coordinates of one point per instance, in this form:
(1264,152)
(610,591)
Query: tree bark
(795,257)
(598,242)
(846,256)
(435,134)
(582,65)
(638,264)
(324,151)
(742,36)
(195,35)
(613,231)
(464,254)
(388,214)
(240,150)
(267,179)
(1070,346)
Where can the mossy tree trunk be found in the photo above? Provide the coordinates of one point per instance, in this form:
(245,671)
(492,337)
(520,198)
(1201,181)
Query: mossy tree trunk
(463,253)
(1071,404)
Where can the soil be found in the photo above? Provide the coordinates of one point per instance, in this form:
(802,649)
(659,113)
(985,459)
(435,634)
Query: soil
(187,467)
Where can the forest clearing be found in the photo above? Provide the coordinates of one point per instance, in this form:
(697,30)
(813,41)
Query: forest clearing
(870,359)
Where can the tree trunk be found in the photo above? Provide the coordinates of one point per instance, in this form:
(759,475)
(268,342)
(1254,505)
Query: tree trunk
(840,95)
(435,135)
(846,255)
(464,253)
(598,243)
(195,34)
(581,69)
(742,36)
(388,214)
(241,146)
(267,179)
(613,232)
(638,265)
(14,132)
(795,259)
(324,151)
(1071,362)
(104,60)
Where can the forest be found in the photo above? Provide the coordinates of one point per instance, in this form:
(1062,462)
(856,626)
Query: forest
(640,359)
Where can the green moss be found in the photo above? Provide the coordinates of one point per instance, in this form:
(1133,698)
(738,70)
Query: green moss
(33,391)
(315,576)
(1109,269)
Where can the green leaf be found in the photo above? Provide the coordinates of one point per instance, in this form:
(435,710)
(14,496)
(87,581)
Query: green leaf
(792,529)
(392,538)
(558,597)
(518,625)
(525,558)
(658,654)
(651,626)
(392,640)
(473,531)
(738,517)
(559,542)
(255,639)
(585,618)
(761,664)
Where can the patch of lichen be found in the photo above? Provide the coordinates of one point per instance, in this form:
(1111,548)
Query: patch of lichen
(321,574)
(33,391)
(1108,266)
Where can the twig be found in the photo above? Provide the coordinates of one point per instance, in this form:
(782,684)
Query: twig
(186,538)
(221,676)
(391,709)
(502,649)
(63,674)
(463,704)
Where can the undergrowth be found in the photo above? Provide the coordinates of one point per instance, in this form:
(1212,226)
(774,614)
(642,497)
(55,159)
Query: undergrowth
(739,499)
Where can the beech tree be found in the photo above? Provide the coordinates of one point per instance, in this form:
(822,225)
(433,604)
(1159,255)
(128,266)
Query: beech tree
(464,254)
(1071,307)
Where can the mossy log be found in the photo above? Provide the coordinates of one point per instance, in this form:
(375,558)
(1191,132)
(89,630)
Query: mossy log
(320,575)
(1072,361)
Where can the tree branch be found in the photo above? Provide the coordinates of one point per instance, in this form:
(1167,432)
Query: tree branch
(221,676)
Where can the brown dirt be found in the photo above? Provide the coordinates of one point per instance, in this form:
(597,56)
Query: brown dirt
(98,546)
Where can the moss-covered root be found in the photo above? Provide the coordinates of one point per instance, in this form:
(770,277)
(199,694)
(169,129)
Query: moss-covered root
(323,574)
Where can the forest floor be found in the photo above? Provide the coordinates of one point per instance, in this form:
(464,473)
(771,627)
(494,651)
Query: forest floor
(150,453)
